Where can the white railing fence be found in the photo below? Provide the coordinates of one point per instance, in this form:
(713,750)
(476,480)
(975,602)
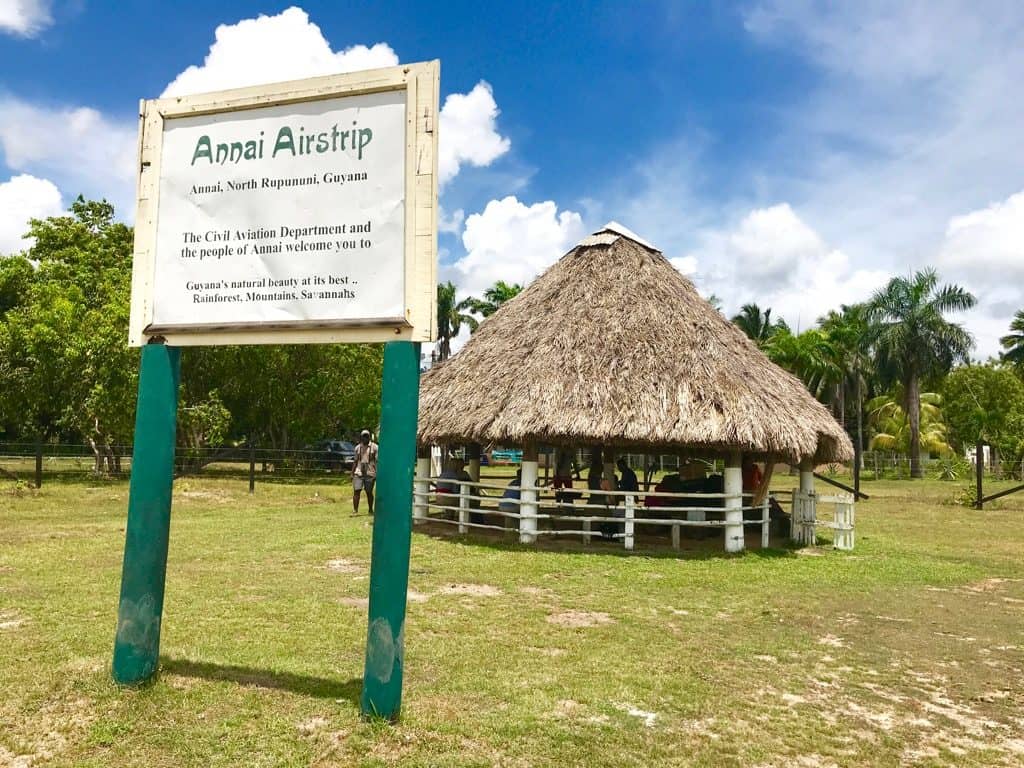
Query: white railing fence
(541,511)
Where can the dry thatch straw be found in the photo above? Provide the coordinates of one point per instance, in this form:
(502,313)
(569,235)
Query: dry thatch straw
(612,346)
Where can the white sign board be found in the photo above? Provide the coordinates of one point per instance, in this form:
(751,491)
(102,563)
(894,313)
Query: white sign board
(297,212)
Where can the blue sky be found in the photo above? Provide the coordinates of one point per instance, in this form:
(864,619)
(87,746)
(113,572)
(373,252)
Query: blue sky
(787,152)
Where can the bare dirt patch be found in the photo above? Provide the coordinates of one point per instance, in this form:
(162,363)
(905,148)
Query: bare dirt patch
(579,619)
(311,726)
(9,620)
(648,718)
(355,602)
(567,708)
(832,641)
(218,496)
(470,590)
(341,565)
(993,584)
(417,597)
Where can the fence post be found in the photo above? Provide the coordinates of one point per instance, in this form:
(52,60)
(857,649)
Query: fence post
(675,537)
(979,474)
(586,531)
(796,517)
(252,468)
(630,513)
(463,507)
(843,538)
(39,461)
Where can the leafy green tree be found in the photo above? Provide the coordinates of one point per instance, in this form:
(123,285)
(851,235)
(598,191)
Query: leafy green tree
(1013,342)
(284,396)
(914,341)
(757,324)
(64,362)
(985,403)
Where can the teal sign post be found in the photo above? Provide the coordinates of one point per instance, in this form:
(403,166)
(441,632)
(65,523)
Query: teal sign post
(392,532)
(137,644)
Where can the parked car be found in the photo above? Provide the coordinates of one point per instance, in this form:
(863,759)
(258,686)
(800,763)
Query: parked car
(333,454)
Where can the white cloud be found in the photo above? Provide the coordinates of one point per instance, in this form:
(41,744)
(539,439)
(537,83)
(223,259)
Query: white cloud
(773,258)
(289,46)
(912,117)
(988,244)
(984,251)
(513,242)
(81,149)
(468,132)
(22,198)
(450,223)
(25,18)
(271,49)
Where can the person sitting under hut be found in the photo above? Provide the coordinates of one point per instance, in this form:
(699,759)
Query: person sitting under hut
(627,478)
(509,499)
(752,476)
(454,473)
(561,482)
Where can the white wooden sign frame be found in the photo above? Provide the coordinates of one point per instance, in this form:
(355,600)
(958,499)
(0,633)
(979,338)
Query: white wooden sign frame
(421,82)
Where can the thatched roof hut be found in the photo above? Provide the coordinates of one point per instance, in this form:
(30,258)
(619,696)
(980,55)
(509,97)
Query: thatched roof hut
(613,346)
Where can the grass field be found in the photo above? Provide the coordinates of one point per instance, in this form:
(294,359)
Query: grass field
(908,651)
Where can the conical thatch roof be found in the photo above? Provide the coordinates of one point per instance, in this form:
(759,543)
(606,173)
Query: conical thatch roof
(612,346)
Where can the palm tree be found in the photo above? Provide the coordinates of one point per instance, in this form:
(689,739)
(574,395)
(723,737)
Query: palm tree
(450,318)
(493,298)
(914,341)
(809,356)
(849,334)
(1013,342)
(757,323)
(892,427)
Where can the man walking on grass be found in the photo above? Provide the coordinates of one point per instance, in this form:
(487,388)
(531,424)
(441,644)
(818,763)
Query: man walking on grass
(364,470)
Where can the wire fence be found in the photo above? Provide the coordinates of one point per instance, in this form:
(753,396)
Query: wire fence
(37,463)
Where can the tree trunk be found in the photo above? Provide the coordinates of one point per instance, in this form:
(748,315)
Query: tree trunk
(859,454)
(97,457)
(108,454)
(914,419)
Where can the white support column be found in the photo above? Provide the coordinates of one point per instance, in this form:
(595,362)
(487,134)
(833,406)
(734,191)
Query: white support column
(586,532)
(528,496)
(807,530)
(734,539)
(765,523)
(463,507)
(421,489)
(675,537)
(630,513)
